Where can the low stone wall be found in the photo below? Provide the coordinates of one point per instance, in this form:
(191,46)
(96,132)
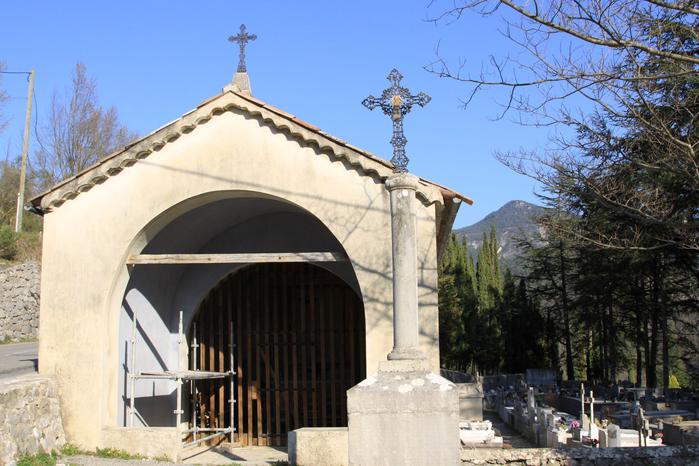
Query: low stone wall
(658,456)
(30,418)
(19,302)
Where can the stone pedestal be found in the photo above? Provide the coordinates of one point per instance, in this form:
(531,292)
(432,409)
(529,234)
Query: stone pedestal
(318,446)
(403,415)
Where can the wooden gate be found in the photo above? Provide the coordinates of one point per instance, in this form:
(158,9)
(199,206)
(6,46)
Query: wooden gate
(299,346)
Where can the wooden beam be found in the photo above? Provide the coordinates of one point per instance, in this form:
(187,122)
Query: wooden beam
(242,258)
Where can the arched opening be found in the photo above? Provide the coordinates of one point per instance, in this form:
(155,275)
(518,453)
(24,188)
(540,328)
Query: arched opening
(298,335)
(156,294)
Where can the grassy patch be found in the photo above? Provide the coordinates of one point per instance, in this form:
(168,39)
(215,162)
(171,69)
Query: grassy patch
(40,459)
(115,453)
(7,340)
(71,450)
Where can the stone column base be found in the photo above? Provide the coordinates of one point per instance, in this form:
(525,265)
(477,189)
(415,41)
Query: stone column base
(404,415)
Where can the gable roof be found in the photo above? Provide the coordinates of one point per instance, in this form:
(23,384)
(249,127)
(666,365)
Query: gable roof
(362,161)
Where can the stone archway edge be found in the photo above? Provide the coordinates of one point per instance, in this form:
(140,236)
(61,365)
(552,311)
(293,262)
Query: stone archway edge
(362,161)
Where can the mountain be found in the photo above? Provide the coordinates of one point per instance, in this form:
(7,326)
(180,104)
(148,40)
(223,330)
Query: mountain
(511,221)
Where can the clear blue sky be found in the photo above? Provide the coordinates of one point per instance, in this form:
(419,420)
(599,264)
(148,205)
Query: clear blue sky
(155,60)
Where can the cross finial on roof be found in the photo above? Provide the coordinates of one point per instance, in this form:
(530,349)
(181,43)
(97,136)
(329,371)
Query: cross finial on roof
(396,102)
(242,38)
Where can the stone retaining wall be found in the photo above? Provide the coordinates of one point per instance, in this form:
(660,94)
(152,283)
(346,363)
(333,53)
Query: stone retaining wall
(19,302)
(657,456)
(30,418)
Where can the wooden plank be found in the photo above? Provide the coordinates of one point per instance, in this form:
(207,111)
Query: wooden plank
(322,336)
(351,339)
(258,346)
(201,363)
(277,362)
(221,401)
(332,339)
(242,258)
(303,340)
(269,393)
(286,353)
(211,363)
(313,340)
(230,356)
(346,378)
(248,331)
(295,307)
(240,374)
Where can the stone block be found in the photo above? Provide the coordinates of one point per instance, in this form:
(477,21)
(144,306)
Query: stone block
(613,435)
(403,418)
(470,401)
(318,446)
(152,442)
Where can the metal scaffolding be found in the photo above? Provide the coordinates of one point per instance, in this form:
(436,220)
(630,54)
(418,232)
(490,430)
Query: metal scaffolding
(180,376)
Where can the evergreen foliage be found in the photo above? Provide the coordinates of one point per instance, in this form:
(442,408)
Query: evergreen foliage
(487,321)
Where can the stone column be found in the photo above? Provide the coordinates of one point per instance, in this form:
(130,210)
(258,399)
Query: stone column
(402,187)
(404,414)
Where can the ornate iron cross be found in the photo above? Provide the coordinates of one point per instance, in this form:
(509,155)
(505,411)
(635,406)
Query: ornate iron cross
(242,38)
(396,102)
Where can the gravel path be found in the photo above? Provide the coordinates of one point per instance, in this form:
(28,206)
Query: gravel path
(508,434)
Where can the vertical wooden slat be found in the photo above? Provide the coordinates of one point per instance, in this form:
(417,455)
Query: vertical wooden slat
(230,338)
(286,310)
(277,365)
(239,375)
(258,340)
(345,356)
(201,329)
(221,354)
(332,335)
(249,355)
(322,335)
(313,339)
(303,343)
(269,393)
(351,339)
(295,324)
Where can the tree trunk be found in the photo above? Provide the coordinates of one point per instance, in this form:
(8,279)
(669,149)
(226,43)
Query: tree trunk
(588,368)
(611,341)
(604,359)
(652,377)
(639,348)
(570,369)
(666,345)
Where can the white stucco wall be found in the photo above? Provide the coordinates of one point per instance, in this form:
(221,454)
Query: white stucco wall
(87,239)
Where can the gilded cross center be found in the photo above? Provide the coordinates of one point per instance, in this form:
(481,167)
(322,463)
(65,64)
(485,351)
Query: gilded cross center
(242,39)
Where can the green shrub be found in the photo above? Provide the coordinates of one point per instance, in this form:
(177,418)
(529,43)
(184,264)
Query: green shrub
(8,242)
(71,450)
(40,459)
(114,453)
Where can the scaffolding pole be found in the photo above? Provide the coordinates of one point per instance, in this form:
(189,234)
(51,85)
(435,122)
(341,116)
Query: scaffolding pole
(232,371)
(132,370)
(180,376)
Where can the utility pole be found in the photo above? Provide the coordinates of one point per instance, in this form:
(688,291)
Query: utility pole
(25,148)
